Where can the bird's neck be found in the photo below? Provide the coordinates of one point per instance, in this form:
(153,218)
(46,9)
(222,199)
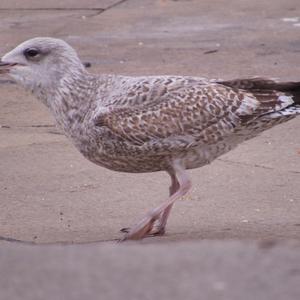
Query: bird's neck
(69,99)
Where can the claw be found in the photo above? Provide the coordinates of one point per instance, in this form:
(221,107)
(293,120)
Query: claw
(156,230)
(125,229)
(140,230)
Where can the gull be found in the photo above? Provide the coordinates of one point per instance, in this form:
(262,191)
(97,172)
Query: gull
(148,123)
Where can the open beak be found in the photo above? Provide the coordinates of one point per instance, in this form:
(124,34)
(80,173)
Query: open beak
(5,67)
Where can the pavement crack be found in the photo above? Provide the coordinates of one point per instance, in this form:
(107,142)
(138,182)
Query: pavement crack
(53,131)
(7,81)
(107,8)
(54,9)
(28,242)
(41,126)
(254,165)
(30,126)
(97,10)
(7,239)
(245,164)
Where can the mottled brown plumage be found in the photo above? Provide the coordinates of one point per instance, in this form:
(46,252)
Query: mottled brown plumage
(151,123)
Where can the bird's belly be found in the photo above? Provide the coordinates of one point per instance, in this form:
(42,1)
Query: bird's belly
(200,156)
(191,159)
(118,158)
(130,164)
(123,162)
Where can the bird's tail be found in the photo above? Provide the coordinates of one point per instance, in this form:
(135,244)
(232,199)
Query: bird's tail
(291,89)
(261,85)
(280,101)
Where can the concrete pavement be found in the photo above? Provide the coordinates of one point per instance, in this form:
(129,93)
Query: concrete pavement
(50,194)
(252,192)
(227,270)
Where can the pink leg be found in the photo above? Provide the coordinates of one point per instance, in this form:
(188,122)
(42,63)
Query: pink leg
(161,213)
(159,228)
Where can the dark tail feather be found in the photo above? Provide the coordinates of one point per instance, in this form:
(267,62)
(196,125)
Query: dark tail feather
(261,84)
(292,88)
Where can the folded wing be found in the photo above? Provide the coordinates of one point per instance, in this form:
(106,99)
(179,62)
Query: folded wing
(191,115)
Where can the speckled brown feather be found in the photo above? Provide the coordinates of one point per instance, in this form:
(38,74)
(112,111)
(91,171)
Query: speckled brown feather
(189,115)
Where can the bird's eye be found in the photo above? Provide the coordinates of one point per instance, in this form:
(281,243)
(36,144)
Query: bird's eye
(31,53)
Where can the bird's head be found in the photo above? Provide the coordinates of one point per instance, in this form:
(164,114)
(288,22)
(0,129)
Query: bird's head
(41,63)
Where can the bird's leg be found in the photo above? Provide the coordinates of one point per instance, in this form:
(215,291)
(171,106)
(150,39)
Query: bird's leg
(161,213)
(159,227)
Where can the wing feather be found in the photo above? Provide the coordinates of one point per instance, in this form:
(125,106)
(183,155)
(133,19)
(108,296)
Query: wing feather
(189,115)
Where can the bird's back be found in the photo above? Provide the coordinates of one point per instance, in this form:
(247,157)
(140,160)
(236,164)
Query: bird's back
(193,119)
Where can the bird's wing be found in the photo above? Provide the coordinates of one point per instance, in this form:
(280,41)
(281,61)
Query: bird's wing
(135,91)
(188,115)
